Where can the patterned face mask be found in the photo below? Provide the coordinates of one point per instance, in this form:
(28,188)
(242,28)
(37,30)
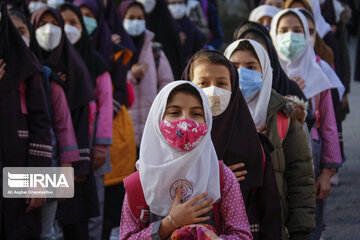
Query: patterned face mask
(183,134)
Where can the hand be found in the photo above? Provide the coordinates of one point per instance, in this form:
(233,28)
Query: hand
(79,179)
(2,68)
(333,28)
(116,38)
(300,82)
(62,76)
(139,69)
(345,101)
(182,37)
(34,203)
(190,212)
(99,159)
(323,185)
(66,165)
(240,175)
(185,213)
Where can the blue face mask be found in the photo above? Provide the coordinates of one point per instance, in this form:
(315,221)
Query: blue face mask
(250,82)
(90,24)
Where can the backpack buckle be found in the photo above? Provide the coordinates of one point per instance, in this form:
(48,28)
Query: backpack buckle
(144,216)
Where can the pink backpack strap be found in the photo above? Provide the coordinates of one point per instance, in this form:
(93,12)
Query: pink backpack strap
(136,198)
(217,206)
(283,123)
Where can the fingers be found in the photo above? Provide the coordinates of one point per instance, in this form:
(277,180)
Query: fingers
(236,166)
(240,174)
(177,196)
(317,186)
(201,219)
(195,199)
(35,203)
(202,204)
(204,211)
(240,179)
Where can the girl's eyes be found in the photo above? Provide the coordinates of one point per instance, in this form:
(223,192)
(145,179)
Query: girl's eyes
(251,67)
(173,113)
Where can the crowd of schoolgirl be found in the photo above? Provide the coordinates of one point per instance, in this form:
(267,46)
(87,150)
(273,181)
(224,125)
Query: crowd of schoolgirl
(169,138)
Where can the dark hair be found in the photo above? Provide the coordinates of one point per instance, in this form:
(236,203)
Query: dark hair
(253,35)
(21,16)
(135,4)
(184,88)
(246,46)
(213,57)
(307,14)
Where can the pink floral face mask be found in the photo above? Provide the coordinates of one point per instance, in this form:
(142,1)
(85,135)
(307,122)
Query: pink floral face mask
(183,134)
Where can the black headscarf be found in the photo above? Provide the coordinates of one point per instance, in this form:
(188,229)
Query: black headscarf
(93,60)
(234,133)
(115,24)
(139,40)
(65,59)
(166,32)
(101,37)
(15,53)
(281,82)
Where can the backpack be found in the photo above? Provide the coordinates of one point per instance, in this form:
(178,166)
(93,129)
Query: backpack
(283,123)
(140,210)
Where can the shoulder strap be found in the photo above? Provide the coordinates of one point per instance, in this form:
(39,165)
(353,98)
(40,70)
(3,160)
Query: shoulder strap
(283,123)
(136,198)
(217,206)
(156,50)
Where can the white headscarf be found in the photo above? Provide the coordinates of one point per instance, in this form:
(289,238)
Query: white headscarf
(160,165)
(258,104)
(322,27)
(333,78)
(304,65)
(261,11)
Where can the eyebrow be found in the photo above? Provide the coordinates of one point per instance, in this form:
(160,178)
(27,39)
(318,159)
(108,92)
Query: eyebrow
(176,106)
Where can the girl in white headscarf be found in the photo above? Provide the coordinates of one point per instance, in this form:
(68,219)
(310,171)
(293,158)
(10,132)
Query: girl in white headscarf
(271,113)
(179,173)
(292,40)
(263,15)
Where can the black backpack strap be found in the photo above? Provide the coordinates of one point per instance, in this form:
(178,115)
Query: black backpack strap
(156,50)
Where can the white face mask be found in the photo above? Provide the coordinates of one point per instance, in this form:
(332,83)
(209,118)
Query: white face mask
(72,33)
(149,5)
(48,36)
(219,99)
(26,40)
(134,27)
(55,3)
(33,6)
(177,10)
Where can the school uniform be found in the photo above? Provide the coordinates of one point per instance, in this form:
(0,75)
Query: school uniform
(200,172)
(25,139)
(327,153)
(78,87)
